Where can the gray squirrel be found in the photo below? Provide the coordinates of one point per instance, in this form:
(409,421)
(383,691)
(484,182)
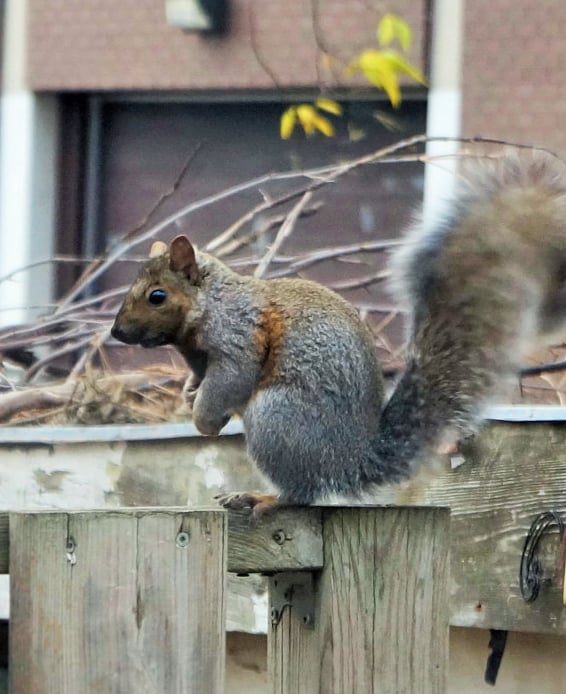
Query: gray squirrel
(295,361)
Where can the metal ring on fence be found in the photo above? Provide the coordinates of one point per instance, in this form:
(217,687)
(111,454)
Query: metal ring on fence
(531,571)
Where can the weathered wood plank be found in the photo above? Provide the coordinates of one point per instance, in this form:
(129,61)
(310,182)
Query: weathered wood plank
(289,540)
(4,543)
(381,614)
(293,646)
(135,603)
(510,474)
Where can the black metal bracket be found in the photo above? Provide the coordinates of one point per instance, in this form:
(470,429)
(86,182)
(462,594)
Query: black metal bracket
(293,589)
(497,641)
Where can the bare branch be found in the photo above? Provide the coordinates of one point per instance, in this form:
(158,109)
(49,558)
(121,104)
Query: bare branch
(166,194)
(319,177)
(86,357)
(359,282)
(80,327)
(284,232)
(331,253)
(42,363)
(241,241)
(268,204)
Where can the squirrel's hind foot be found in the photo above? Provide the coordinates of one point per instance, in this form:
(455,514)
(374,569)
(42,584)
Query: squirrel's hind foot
(259,504)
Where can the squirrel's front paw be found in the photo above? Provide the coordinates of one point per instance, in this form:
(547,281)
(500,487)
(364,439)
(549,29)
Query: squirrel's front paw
(258,504)
(190,390)
(207,426)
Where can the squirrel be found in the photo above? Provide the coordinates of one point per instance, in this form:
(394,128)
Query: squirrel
(482,284)
(289,356)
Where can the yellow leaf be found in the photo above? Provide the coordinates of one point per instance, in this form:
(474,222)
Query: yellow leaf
(330,106)
(400,64)
(386,29)
(355,134)
(379,71)
(287,123)
(388,121)
(306,113)
(390,85)
(324,125)
(391,27)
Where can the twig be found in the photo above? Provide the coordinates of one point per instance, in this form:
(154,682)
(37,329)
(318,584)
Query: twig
(268,204)
(95,345)
(166,194)
(284,232)
(63,259)
(331,253)
(42,363)
(319,176)
(81,326)
(359,282)
(235,244)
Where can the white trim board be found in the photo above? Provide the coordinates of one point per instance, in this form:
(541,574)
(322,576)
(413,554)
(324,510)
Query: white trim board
(147,432)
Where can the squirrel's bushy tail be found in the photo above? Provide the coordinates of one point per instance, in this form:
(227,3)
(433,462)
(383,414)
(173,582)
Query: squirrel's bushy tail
(480,285)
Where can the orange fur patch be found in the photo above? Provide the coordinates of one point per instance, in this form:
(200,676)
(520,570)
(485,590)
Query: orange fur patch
(269,340)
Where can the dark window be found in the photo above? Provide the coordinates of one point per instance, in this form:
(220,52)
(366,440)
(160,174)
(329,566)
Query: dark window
(141,147)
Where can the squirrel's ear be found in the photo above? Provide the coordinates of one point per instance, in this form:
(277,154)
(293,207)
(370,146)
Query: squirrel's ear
(182,257)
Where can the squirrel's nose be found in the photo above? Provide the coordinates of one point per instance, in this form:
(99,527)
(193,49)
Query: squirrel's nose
(118,334)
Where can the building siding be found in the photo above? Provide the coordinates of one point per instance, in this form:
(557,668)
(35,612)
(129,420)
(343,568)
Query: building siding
(109,45)
(513,71)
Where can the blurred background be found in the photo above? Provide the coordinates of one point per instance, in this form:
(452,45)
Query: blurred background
(114,116)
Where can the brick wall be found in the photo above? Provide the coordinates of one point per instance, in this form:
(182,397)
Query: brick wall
(127,44)
(513,77)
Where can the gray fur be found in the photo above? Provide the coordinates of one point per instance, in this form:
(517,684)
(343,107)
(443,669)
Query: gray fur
(311,432)
(482,285)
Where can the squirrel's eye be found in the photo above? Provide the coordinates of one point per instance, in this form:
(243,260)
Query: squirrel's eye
(157,297)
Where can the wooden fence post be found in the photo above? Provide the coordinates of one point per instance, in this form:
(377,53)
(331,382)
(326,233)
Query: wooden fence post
(375,619)
(118,601)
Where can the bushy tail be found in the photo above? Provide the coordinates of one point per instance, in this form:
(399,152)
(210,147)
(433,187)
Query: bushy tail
(479,284)
(414,423)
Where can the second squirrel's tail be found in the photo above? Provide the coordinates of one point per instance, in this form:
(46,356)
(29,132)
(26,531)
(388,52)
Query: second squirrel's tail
(480,285)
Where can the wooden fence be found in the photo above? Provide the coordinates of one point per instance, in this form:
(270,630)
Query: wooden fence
(133,600)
